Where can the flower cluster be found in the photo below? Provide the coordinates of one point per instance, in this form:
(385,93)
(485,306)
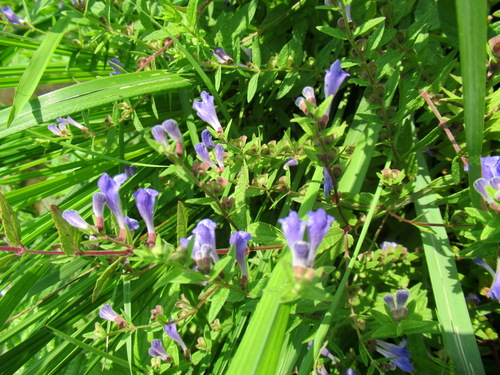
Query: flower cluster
(61,128)
(206,144)
(489,184)
(333,79)
(204,250)
(295,229)
(398,309)
(171,129)
(109,195)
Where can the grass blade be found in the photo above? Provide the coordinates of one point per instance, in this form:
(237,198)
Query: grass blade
(36,67)
(472,17)
(458,332)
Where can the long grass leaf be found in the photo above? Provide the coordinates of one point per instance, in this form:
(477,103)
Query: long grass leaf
(457,329)
(472,18)
(36,67)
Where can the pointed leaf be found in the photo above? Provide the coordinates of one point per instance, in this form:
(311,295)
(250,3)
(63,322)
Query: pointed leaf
(64,230)
(10,223)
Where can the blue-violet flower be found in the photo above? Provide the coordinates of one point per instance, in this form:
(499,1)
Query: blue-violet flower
(327,182)
(157,350)
(240,240)
(317,225)
(206,111)
(111,189)
(98,202)
(107,312)
(75,220)
(398,309)
(116,65)
(171,330)
(399,353)
(494,291)
(11,17)
(145,202)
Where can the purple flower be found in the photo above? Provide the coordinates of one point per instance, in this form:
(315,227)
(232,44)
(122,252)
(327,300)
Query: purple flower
(11,17)
(110,187)
(202,151)
(301,103)
(206,111)
(495,287)
(69,120)
(98,201)
(116,65)
(240,240)
(74,219)
(490,167)
(132,224)
(205,235)
(289,162)
(399,354)
(349,371)
(398,309)
(145,202)
(157,350)
(56,130)
(171,330)
(334,78)
(130,170)
(387,245)
(222,56)
(219,156)
(107,312)
(308,93)
(327,182)
(158,133)
(317,226)
(172,129)
(324,352)
(206,137)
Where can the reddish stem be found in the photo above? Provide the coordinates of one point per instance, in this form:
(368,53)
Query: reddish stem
(20,251)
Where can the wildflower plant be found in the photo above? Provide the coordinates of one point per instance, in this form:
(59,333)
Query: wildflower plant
(272,180)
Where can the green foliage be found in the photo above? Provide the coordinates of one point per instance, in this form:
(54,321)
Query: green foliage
(391,141)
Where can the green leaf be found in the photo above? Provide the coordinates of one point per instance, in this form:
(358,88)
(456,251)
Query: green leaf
(36,67)
(192,13)
(265,233)
(10,222)
(259,350)
(182,221)
(256,58)
(64,230)
(216,303)
(336,33)
(252,87)
(89,348)
(240,214)
(456,326)
(368,25)
(69,100)
(472,30)
(103,280)
(374,39)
